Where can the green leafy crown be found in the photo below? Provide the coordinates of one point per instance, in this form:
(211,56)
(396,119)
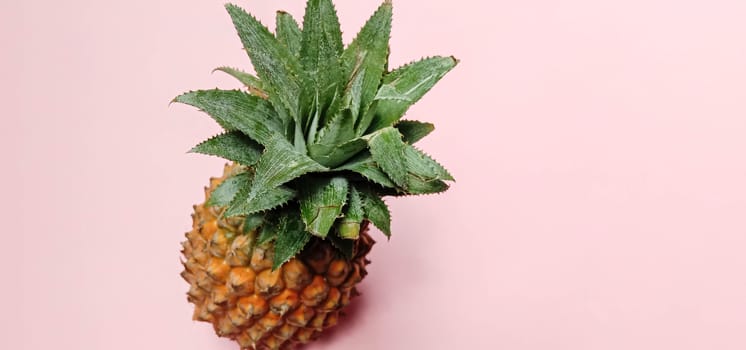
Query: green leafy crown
(318,131)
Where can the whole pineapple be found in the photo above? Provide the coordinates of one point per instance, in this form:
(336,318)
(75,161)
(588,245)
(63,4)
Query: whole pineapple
(314,142)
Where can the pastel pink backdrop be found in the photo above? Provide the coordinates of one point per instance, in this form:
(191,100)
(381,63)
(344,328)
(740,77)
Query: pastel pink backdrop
(599,148)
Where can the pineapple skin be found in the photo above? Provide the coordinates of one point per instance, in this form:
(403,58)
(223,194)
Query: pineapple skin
(236,290)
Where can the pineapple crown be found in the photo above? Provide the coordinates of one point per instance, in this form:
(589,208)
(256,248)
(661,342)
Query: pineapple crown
(318,130)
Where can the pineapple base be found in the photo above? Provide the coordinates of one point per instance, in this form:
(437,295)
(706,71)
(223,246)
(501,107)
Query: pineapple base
(233,286)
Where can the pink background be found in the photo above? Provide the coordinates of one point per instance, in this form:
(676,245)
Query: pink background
(598,147)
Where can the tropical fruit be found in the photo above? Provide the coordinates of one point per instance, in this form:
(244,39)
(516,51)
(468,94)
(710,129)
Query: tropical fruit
(314,141)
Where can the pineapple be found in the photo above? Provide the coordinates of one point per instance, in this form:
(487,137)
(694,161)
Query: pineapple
(314,141)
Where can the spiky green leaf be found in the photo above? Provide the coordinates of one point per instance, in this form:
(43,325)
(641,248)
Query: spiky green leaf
(423,166)
(266,234)
(237,110)
(364,165)
(405,165)
(353,95)
(376,211)
(268,231)
(279,164)
(335,142)
(367,55)
(336,155)
(320,50)
(406,85)
(252,222)
(288,32)
(339,129)
(253,83)
(354,210)
(349,225)
(244,204)
(291,238)
(321,202)
(275,65)
(413,131)
(419,185)
(388,152)
(425,174)
(227,190)
(233,146)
